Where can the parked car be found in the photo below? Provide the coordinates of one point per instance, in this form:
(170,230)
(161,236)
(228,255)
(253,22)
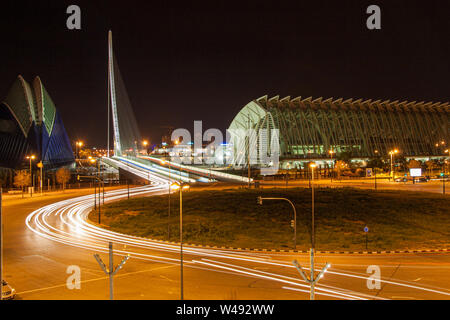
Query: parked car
(7,291)
(401,179)
(421,179)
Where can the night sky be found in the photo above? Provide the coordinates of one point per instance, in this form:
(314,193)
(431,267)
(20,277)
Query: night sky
(205,60)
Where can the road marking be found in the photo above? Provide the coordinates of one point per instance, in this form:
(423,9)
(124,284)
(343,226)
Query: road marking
(96,279)
(164,277)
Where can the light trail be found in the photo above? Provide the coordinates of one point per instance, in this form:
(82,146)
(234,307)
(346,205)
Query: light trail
(66,222)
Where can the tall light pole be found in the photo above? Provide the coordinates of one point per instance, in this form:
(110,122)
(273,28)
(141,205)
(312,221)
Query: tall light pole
(312,280)
(392,152)
(31,157)
(443,173)
(168,220)
(248,150)
(78,144)
(260,202)
(312,165)
(181,186)
(145,144)
(40,166)
(375,171)
(287,174)
(331,162)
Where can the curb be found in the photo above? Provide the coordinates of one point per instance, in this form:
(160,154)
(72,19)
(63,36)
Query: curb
(265,250)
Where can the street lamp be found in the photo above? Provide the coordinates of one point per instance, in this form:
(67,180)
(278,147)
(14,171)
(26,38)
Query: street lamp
(287,173)
(443,172)
(260,202)
(181,186)
(78,144)
(40,165)
(312,166)
(312,278)
(31,157)
(331,160)
(145,144)
(168,220)
(392,152)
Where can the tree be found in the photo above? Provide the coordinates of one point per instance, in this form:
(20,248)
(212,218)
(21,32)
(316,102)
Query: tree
(431,165)
(340,166)
(414,164)
(375,163)
(62,177)
(22,179)
(344,156)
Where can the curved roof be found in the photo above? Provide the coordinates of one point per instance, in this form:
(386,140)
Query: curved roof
(310,127)
(31,111)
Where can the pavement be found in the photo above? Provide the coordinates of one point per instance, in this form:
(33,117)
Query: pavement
(40,245)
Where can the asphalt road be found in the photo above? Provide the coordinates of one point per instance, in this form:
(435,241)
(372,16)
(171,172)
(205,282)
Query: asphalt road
(38,253)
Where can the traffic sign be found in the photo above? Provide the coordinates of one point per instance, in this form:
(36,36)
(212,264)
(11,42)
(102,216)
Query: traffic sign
(366,229)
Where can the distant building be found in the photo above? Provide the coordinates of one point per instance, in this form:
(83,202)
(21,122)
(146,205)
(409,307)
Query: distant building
(31,124)
(310,128)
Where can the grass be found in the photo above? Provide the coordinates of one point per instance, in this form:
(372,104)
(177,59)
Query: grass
(396,219)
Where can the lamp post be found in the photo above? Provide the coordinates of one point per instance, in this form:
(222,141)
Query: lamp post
(92,160)
(312,280)
(287,174)
(78,144)
(260,202)
(443,171)
(100,183)
(145,144)
(181,186)
(31,157)
(168,219)
(312,166)
(331,160)
(375,171)
(40,166)
(392,152)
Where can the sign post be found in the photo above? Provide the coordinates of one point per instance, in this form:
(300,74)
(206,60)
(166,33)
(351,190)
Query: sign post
(366,230)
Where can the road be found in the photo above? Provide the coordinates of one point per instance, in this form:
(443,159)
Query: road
(56,236)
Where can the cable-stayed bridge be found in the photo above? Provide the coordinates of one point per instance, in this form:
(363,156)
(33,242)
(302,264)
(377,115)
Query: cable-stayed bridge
(126,139)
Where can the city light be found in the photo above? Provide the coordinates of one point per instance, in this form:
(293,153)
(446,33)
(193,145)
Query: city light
(197,106)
